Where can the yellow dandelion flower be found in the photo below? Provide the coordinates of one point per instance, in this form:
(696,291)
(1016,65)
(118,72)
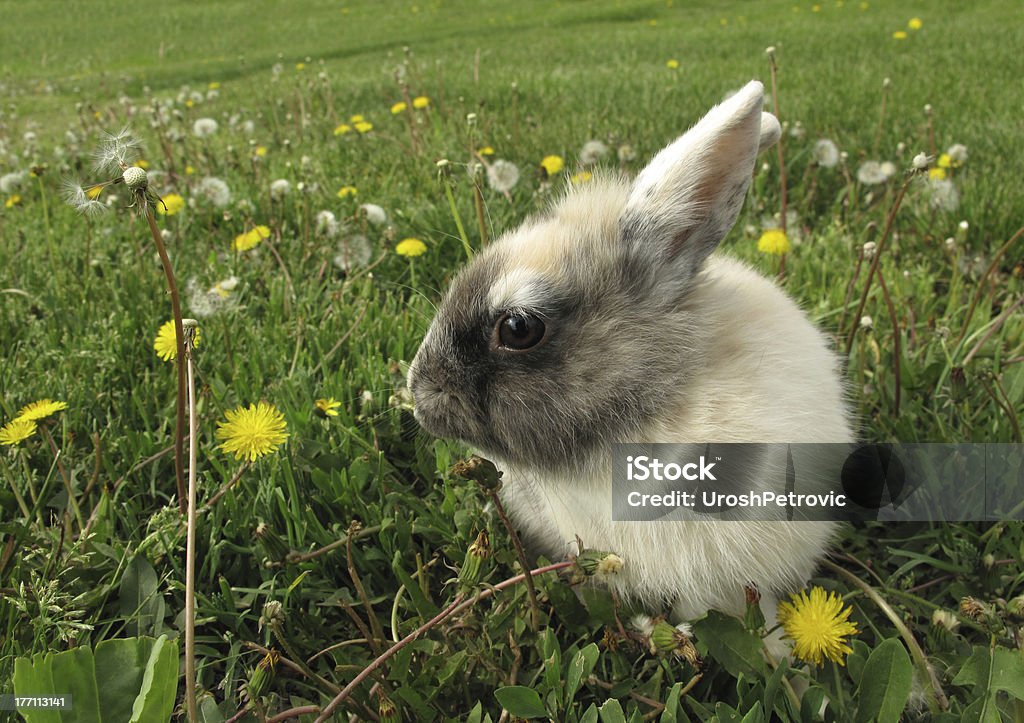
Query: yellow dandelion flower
(653,23)
(900,35)
(40,410)
(346,191)
(342,129)
(250,239)
(142,163)
(581,177)
(399,107)
(915,24)
(327,407)
(945,161)
(552,164)
(357,118)
(252,432)
(172,204)
(363,126)
(17,430)
(815,8)
(410,247)
(213,85)
(672,64)
(12,201)
(485,151)
(937,174)
(864,6)
(261,151)
(773,241)
(189,170)
(420,102)
(818,626)
(188,104)
(166,343)
(300,66)
(94,192)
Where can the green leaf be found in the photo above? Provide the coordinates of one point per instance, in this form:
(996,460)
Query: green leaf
(590,715)
(611,712)
(755,714)
(155,700)
(989,671)
(810,704)
(141,602)
(672,711)
(521,701)
(727,714)
(580,668)
(885,683)
(737,649)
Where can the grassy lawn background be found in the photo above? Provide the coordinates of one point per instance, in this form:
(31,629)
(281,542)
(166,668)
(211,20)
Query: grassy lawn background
(83,298)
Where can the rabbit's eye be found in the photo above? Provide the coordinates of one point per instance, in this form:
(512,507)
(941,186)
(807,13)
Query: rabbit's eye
(519,332)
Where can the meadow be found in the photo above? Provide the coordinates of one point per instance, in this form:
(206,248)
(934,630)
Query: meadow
(293,152)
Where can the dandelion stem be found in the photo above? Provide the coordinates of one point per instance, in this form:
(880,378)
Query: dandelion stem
(458,219)
(179,337)
(521,555)
(937,701)
(227,486)
(875,263)
(190,545)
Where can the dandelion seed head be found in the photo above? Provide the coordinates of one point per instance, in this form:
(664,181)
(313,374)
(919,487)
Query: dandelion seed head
(922,161)
(592,152)
(826,153)
(214,191)
(374,214)
(502,175)
(870,173)
(116,151)
(135,178)
(327,224)
(944,195)
(353,251)
(280,188)
(957,154)
(78,197)
(11,182)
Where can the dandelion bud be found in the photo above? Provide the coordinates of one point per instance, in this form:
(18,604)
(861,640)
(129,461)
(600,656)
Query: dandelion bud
(668,639)
(273,615)
(135,178)
(972,608)
(1016,606)
(921,162)
(472,567)
(262,675)
(590,561)
(988,561)
(272,544)
(663,637)
(958,385)
(945,619)
(386,709)
(480,470)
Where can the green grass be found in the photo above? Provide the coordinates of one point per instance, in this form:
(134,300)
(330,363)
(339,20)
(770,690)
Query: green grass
(82,300)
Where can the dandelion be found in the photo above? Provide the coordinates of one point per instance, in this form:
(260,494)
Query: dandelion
(552,164)
(672,64)
(581,177)
(11,182)
(937,174)
(171,204)
(17,431)
(250,239)
(327,407)
(627,153)
(12,201)
(142,163)
(945,619)
(260,151)
(374,214)
(870,173)
(352,252)
(866,322)
(327,224)
(502,175)
(610,565)
(818,625)
(300,66)
(826,153)
(773,241)
(280,188)
(957,154)
(342,129)
(921,161)
(214,191)
(252,432)
(204,127)
(357,118)
(166,342)
(363,126)
(410,247)
(116,151)
(888,169)
(915,24)
(40,410)
(944,195)
(944,161)
(900,35)
(399,107)
(592,152)
(485,151)
(420,102)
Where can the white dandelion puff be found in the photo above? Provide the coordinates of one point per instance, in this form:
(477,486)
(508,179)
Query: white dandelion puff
(215,191)
(826,153)
(592,152)
(204,127)
(116,151)
(944,195)
(627,153)
(502,175)
(327,224)
(870,173)
(353,251)
(888,169)
(374,214)
(957,153)
(922,161)
(11,182)
(280,188)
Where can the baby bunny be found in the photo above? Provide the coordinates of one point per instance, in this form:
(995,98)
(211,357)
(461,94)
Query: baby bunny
(609,320)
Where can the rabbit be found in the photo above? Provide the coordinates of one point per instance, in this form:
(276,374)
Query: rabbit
(609,319)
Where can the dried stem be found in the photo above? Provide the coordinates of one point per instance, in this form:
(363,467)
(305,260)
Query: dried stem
(190,542)
(992,330)
(521,555)
(179,338)
(227,486)
(981,284)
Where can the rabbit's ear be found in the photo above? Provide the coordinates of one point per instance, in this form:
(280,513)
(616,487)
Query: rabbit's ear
(686,200)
